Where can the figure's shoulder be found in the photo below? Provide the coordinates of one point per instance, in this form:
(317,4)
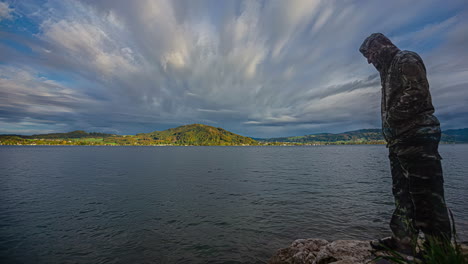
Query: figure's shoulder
(408,57)
(410,64)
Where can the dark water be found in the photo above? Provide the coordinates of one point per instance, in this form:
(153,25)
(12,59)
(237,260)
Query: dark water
(196,204)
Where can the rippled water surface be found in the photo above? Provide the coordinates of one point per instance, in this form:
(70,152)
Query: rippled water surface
(196,204)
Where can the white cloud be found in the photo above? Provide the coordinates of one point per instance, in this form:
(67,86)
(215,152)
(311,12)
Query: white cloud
(88,44)
(5,11)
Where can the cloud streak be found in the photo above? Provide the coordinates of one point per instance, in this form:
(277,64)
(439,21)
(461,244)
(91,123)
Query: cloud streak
(259,68)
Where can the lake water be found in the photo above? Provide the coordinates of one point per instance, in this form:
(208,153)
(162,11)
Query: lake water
(70,204)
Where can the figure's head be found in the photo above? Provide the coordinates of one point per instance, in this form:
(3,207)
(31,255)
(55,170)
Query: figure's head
(376,48)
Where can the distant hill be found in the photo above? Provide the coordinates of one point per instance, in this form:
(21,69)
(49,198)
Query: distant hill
(196,134)
(363,136)
(370,136)
(455,135)
(73,134)
(203,135)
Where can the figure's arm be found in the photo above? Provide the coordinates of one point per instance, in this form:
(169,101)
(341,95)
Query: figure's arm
(412,100)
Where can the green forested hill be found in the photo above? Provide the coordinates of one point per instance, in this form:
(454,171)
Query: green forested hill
(196,134)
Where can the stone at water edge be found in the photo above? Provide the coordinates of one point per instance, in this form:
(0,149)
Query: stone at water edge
(319,251)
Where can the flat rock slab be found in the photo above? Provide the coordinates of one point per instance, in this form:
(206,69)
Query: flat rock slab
(319,251)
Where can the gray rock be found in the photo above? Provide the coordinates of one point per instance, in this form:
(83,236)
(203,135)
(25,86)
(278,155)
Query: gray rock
(319,251)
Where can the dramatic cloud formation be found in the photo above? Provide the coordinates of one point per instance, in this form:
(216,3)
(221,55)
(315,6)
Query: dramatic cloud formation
(258,68)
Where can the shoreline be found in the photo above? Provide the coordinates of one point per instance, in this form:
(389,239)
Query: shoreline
(313,250)
(260,145)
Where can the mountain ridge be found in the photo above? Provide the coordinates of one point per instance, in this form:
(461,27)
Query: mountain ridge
(204,135)
(370,135)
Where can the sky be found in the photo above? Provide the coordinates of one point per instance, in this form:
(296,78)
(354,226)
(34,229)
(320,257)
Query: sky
(256,68)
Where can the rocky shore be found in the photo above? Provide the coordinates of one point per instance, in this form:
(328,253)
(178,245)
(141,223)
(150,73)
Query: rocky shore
(319,251)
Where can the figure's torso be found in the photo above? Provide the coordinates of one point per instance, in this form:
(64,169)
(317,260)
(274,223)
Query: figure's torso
(400,118)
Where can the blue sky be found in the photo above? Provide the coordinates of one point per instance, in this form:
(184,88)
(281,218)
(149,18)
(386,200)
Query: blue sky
(257,68)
